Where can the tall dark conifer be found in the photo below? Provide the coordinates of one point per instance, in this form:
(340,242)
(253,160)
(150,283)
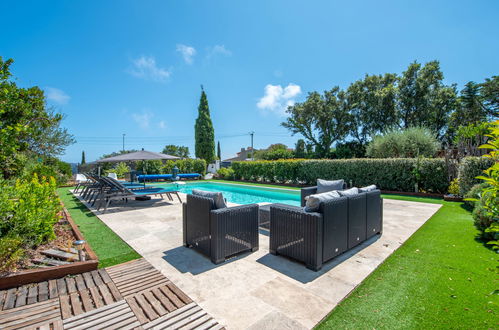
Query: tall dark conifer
(204,132)
(219,151)
(83,158)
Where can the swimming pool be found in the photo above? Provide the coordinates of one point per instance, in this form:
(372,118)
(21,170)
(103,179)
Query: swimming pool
(241,194)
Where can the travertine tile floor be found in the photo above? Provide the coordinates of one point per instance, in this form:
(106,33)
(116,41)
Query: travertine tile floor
(258,290)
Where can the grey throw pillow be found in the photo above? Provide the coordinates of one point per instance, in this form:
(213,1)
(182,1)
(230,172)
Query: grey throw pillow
(314,201)
(325,185)
(368,188)
(216,196)
(349,192)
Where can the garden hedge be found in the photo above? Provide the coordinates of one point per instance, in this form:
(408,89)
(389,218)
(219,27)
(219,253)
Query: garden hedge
(397,174)
(469,169)
(185,166)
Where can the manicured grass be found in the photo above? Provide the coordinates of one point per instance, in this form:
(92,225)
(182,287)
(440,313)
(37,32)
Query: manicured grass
(108,246)
(440,278)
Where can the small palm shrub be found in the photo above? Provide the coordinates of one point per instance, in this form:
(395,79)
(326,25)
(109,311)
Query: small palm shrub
(409,143)
(120,169)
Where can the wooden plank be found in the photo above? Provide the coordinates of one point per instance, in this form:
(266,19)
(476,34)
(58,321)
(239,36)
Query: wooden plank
(61,286)
(89,282)
(2,298)
(71,284)
(137,310)
(104,275)
(65,307)
(15,313)
(199,322)
(95,314)
(50,262)
(178,314)
(86,300)
(32,294)
(114,291)
(155,303)
(60,254)
(106,295)
(24,323)
(173,298)
(43,291)
(75,303)
(150,313)
(164,300)
(22,296)
(131,277)
(96,297)
(185,320)
(53,292)
(10,299)
(96,278)
(179,293)
(80,283)
(57,325)
(144,282)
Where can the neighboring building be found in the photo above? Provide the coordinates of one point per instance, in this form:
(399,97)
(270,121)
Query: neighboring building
(243,155)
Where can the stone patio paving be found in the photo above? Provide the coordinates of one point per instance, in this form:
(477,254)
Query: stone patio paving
(258,290)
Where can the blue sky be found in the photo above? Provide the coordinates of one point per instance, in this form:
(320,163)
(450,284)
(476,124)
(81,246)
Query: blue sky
(136,67)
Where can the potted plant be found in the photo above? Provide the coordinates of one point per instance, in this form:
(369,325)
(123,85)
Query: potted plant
(453,195)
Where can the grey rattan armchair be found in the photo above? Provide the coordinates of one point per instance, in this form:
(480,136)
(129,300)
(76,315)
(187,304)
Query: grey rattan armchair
(219,233)
(316,237)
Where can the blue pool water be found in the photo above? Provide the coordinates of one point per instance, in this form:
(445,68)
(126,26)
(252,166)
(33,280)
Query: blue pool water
(241,194)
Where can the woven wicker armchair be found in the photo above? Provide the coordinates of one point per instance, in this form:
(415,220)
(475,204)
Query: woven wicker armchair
(316,237)
(219,233)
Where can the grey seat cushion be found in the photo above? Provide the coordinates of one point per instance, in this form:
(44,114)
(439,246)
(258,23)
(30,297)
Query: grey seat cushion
(216,196)
(349,192)
(368,188)
(326,185)
(314,201)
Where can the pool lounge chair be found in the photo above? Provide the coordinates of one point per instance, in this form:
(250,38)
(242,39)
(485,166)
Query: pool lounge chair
(157,177)
(117,191)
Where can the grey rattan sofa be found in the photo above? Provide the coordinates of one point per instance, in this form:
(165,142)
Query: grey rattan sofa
(219,233)
(316,237)
(307,191)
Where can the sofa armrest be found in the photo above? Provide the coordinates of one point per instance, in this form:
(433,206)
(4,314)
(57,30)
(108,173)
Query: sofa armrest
(197,222)
(297,234)
(233,230)
(307,192)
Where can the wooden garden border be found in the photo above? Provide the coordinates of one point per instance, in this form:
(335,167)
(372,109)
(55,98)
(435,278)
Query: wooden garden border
(44,274)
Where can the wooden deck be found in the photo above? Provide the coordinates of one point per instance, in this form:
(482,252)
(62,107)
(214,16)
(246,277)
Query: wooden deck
(132,295)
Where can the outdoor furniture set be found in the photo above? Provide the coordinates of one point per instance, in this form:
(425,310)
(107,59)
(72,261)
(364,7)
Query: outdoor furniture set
(331,221)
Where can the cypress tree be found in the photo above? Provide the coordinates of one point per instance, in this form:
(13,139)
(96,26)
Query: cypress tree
(219,152)
(204,132)
(83,157)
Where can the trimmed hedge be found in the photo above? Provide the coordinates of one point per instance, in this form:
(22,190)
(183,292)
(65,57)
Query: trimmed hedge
(469,169)
(397,174)
(185,166)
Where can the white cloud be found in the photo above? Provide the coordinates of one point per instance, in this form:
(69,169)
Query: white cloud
(143,119)
(187,52)
(218,50)
(145,67)
(57,95)
(278,99)
(162,124)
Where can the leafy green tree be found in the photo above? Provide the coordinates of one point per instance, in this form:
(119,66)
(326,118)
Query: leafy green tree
(219,151)
(372,103)
(407,143)
(27,127)
(490,95)
(179,151)
(423,99)
(300,151)
(274,152)
(83,158)
(321,119)
(204,132)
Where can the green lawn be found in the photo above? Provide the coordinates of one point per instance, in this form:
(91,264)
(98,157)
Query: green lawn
(108,246)
(440,278)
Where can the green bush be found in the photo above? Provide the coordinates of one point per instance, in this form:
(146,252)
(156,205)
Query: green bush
(149,166)
(120,169)
(483,220)
(185,166)
(49,167)
(388,174)
(409,143)
(226,173)
(474,193)
(28,212)
(469,169)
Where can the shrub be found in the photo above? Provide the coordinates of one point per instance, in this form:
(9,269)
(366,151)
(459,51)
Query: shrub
(185,166)
(469,169)
(49,167)
(409,143)
(388,174)
(226,173)
(28,212)
(483,220)
(149,166)
(473,195)
(454,187)
(120,169)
